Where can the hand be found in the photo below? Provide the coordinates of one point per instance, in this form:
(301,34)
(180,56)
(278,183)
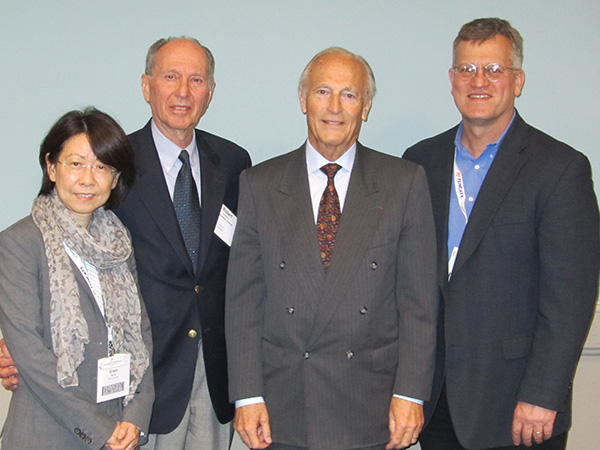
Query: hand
(8,370)
(532,424)
(126,436)
(406,422)
(252,424)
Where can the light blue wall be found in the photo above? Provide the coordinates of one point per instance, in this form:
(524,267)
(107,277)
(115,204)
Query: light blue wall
(63,54)
(60,55)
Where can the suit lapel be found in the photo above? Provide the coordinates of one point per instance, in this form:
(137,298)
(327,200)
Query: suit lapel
(152,190)
(497,183)
(439,177)
(213,192)
(360,217)
(296,222)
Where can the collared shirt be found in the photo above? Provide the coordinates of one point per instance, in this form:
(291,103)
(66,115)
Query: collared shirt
(473,171)
(317,179)
(168,153)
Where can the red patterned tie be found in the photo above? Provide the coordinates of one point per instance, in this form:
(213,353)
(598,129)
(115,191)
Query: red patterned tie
(328,219)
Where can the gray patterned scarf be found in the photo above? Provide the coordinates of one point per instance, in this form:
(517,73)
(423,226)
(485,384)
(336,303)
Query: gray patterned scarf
(106,245)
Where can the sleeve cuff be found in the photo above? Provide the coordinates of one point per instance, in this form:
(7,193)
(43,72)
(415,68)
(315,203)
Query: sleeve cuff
(248,401)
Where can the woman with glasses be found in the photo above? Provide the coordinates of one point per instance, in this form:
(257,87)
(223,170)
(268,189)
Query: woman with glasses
(70,308)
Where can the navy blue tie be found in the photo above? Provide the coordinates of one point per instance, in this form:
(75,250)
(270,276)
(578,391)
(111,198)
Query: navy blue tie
(187,208)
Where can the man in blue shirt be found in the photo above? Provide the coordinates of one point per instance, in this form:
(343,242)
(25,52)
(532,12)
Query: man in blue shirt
(518,258)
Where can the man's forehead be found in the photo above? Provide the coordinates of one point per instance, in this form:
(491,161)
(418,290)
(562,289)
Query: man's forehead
(181,53)
(340,71)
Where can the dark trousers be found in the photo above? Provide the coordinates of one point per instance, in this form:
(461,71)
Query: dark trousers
(440,435)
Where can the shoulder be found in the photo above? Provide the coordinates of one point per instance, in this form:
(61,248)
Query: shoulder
(429,148)
(548,157)
(383,165)
(21,238)
(23,229)
(141,137)
(272,170)
(543,145)
(279,162)
(225,148)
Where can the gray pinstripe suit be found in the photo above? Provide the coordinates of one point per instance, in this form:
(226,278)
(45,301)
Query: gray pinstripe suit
(328,351)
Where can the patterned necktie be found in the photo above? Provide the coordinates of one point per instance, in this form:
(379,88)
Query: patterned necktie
(328,219)
(187,208)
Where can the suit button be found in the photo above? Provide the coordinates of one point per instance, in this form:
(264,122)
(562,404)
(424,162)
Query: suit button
(282,265)
(192,334)
(290,310)
(306,355)
(373,265)
(83,436)
(363,310)
(349,354)
(89,440)
(77,431)
(197,289)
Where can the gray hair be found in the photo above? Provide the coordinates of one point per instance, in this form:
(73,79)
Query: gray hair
(480,30)
(154,48)
(371,88)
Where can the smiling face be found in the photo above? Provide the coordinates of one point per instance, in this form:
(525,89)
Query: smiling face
(84,190)
(335,104)
(483,103)
(179,89)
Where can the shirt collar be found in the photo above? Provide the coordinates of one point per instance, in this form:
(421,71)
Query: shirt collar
(491,147)
(168,151)
(314,160)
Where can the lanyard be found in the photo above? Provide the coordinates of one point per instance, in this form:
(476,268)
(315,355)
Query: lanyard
(461,195)
(90,274)
(459,189)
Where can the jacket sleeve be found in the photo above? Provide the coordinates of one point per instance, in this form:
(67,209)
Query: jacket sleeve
(139,409)
(567,229)
(244,298)
(417,293)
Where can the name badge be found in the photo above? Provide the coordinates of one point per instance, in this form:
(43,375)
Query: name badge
(113,377)
(226,225)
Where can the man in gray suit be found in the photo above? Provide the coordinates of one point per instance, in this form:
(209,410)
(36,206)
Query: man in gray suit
(519,255)
(331,301)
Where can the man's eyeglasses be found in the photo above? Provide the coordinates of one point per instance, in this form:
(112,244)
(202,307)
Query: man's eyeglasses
(492,71)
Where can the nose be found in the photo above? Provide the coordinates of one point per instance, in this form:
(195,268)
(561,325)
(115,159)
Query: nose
(87,176)
(480,79)
(182,89)
(335,104)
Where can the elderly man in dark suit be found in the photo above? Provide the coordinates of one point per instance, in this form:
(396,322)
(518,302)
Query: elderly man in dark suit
(517,233)
(331,305)
(182,253)
(183,282)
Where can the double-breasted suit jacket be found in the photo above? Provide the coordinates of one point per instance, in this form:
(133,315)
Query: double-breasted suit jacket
(180,303)
(328,350)
(42,415)
(524,284)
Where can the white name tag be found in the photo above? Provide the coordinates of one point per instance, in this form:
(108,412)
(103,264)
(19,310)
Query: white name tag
(226,225)
(113,377)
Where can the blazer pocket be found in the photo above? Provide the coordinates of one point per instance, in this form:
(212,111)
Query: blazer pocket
(272,354)
(384,357)
(516,347)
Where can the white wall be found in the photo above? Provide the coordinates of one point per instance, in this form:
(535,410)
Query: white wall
(56,56)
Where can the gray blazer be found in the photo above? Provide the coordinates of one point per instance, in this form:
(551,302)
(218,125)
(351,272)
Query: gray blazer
(328,351)
(43,415)
(524,284)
